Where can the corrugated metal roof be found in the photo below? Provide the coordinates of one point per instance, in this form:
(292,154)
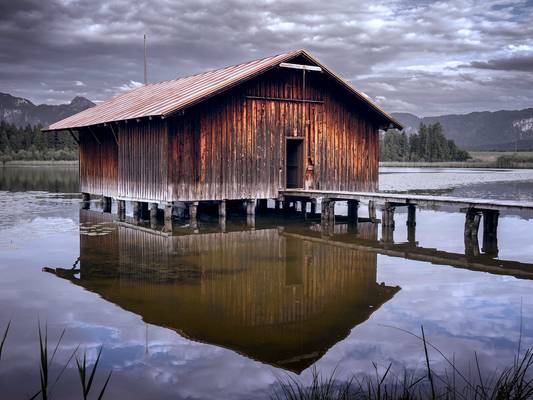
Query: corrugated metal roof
(167,97)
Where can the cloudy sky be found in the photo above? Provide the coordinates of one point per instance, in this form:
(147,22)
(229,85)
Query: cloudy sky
(416,56)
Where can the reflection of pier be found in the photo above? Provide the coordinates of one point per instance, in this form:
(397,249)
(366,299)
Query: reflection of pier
(278,299)
(475,210)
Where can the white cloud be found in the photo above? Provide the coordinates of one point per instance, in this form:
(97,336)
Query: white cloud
(79,83)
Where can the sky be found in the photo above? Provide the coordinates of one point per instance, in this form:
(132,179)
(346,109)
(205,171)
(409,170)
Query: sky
(422,57)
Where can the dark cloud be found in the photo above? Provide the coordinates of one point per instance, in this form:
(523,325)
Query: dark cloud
(506,64)
(407,55)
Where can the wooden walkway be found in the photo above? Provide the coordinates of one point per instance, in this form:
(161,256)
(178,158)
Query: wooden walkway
(414,199)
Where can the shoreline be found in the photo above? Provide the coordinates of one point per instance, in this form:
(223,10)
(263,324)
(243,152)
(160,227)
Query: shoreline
(454,164)
(40,163)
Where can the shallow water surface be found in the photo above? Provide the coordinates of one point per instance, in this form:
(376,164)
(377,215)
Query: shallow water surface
(222,312)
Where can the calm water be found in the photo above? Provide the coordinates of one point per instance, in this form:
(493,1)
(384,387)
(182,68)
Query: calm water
(212,314)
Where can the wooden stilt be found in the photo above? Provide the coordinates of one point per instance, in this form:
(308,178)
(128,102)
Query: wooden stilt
(86,201)
(167,216)
(387,216)
(222,209)
(353,208)
(411,223)
(144,213)
(121,209)
(153,210)
(372,210)
(106,204)
(193,213)
(490,232)
(313,207)
(473,217)
(328,212)
(251,206)
(136,206)
(262,205)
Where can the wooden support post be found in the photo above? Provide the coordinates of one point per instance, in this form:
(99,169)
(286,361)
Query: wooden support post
(106,204)
(387,216)
(193,213)
(86,201)
(144,214)
(153,211)
(353,208)
(387,233)
(222,209)
(372,210)
(472,220)
(250,206)
(121,209)
(473,217)
(490,232)
(328,212)
(286,205)
(278,205)
(303,205)
(262,205)
(168,217)
(313,207)
(411,223)
(136,205)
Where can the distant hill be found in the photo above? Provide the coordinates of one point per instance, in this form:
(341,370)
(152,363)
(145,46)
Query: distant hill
(499,130)
(22,112)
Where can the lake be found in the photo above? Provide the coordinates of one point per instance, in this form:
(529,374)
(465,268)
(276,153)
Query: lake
(213,313)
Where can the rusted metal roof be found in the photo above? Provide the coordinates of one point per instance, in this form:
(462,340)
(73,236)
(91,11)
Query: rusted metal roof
(167,97)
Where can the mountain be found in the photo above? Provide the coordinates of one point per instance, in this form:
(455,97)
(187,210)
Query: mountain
(21,112)
(499,130)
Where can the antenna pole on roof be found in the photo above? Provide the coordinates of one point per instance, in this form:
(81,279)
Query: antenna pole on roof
(145,66)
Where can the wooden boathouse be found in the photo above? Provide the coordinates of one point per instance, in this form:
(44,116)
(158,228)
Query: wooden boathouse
(246,132)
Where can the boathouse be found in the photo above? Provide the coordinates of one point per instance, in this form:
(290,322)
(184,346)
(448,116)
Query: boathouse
(245,132)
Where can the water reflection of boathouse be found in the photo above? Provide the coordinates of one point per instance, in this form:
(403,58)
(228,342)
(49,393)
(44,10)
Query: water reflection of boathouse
(278,299)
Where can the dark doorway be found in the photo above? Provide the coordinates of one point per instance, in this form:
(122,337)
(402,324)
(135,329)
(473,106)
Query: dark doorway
(295,158)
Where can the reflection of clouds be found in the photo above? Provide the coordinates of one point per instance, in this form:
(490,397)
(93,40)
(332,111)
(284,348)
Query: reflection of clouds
(462,312)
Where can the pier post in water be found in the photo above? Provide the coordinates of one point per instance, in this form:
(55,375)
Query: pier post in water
(153,210)
(86,201)
(193,214)
(222,209)
(251,204)
(106,204)
(168,217)
(121,209)
(372,210)
(313,207)
(262,205)
(136,206)
(353,208)
(473,217)
(490,232)
(387,217)
(411,223)
(327,216)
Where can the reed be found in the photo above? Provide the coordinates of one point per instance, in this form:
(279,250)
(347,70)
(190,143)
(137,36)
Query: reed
(514,382)
(49,380)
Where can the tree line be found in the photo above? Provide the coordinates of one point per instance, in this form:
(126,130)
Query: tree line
(29,143)
(428,145)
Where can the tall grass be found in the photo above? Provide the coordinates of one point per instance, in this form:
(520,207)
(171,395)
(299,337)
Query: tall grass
(514,382)
(48,380)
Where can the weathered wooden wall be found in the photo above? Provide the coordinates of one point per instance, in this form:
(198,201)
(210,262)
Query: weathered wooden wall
(233,146)
(98,162)
(143,160)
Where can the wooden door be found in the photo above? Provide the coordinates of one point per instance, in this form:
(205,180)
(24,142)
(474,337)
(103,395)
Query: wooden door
(294,163)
